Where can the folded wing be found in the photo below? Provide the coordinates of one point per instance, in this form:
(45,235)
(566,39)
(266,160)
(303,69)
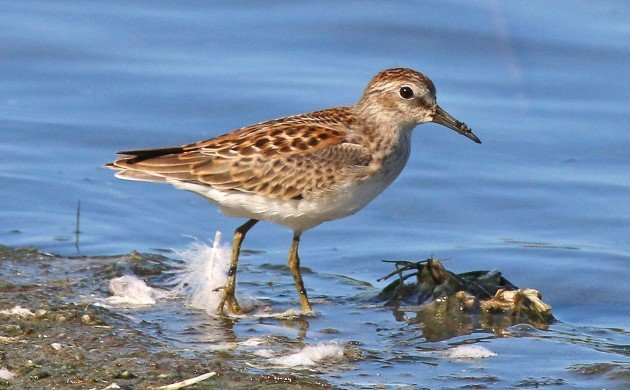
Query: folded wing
(292,158)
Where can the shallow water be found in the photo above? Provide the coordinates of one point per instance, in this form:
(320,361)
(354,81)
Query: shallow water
(544,198)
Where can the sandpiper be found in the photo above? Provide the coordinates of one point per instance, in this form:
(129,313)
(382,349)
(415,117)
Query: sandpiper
(301,170)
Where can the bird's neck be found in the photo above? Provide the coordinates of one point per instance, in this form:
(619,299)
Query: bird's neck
(382,133)
(385,141)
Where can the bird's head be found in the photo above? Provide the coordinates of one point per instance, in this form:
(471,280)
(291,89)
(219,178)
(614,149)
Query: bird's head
(405,98)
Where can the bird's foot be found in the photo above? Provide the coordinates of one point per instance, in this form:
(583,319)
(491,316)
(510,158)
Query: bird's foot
(228,301)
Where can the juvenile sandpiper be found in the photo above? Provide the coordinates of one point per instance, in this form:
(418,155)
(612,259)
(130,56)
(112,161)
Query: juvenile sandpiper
(301,170)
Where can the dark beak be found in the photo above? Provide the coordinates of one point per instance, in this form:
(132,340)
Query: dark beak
(443,118)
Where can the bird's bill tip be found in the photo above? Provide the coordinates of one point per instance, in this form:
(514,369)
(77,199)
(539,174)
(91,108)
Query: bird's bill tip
(443,118)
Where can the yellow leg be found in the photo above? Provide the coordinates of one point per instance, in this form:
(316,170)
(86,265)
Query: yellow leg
(228,298)
(294,266)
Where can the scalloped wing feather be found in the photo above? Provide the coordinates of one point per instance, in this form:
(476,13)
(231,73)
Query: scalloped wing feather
(289,158)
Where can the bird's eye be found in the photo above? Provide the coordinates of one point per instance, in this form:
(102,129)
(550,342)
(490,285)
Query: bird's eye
(406,92)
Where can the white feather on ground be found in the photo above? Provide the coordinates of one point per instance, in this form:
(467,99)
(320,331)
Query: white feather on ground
(309,356)
(6,374)
(205,272)
(131,290)
(17,311)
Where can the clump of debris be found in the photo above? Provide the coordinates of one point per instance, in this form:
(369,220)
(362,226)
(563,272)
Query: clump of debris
(435,292)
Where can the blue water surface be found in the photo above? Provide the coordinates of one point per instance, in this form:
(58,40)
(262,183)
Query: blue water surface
(545,198)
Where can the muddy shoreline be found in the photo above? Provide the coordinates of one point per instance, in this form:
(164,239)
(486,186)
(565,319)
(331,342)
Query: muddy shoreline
(66,343)
(70,336)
